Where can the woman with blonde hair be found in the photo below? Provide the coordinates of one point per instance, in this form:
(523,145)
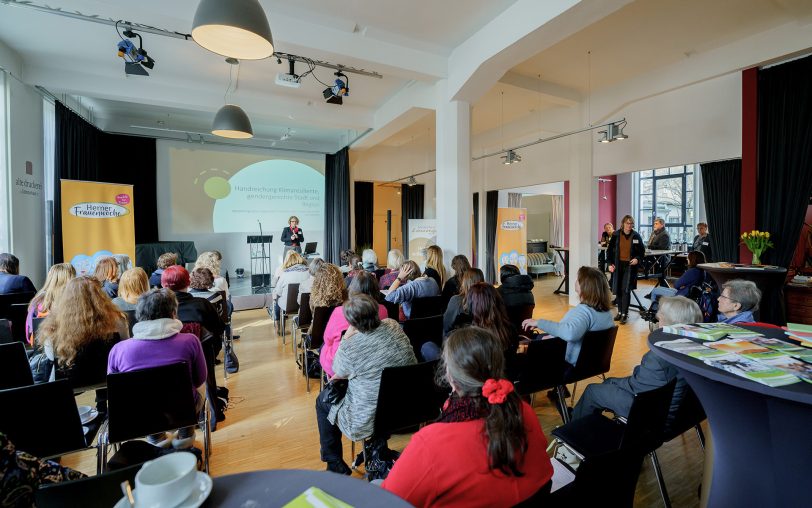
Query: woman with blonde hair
(107,273)
(459,264)
(134,283)
(394,260)
(435,268)
(294,271)
(328,287)
(44,301)
(211,261)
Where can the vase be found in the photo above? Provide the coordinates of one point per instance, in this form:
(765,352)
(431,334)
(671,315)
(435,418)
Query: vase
(756,258)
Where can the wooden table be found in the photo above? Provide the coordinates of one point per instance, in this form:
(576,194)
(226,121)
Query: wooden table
(769,279)
(798,298)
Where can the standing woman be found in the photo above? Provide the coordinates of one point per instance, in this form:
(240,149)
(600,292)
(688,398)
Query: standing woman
(435,268)
(292,236)
(107,273)
(624,255)
(43,302)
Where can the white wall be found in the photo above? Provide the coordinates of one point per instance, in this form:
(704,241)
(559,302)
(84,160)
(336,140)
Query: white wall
(26,191)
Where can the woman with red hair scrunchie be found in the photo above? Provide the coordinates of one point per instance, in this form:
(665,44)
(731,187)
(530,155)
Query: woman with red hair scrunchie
(449,463)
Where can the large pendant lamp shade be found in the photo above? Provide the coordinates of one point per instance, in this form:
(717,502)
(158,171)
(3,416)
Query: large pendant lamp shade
(232,122)
(235,28)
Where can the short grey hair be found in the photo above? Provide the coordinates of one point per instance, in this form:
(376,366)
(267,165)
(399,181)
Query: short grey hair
(394,259)
(745,292)
(659,220)
(369,257)
(156,304)
(678,310)
(315,265)
(361,311)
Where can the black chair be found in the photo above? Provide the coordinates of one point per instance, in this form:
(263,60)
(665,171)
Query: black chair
(392,310)
(7,300)
(618,445)
(690,413)
(301,323)
(14,369)
(291,308)
(100,491)
(427,306)
(131,320)
(89,368)
(148,401)
(42,419)
(17,313)
(594,359)
(542,366)
(422,330)
(5,332)
(518,313)
(380,272)
(315,339)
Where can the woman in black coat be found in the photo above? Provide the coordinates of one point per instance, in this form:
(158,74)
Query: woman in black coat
(292,236)
(624,280)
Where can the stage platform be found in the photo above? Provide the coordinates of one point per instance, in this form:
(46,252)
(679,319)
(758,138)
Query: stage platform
(244,297)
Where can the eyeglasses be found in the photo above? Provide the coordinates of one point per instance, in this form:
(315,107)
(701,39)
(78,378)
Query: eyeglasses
(729,298)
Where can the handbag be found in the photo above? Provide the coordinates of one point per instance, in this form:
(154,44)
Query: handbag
(232,362)
(41,367)
(335,391)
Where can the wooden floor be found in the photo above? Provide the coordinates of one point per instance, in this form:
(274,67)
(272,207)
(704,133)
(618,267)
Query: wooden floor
(271,422)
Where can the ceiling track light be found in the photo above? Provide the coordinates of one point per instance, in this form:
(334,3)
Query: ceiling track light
(511,157)
(613,132)
(235,28)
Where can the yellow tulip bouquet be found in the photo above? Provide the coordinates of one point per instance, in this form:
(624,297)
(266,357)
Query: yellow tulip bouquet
(756,242)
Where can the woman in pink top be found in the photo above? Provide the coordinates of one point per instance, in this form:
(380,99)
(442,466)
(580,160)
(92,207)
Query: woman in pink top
(363,283)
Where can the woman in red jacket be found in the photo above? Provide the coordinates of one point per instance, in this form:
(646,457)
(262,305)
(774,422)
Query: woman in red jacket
(449,463)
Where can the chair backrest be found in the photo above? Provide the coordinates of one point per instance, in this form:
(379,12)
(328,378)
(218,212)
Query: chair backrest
(142,402)
(100,491)
(518,313)
(89,368)
(392,310)
(131,320)
(542,366)
(5,331)
(688,414)
(595,357)
(380,272)
(305,312)
(7,300)
(42,419)
(427,306)
(407,397)
(292,305)
(17,313)
(422,330)
(35,323)
(14,369)
(645,424)
(321,315)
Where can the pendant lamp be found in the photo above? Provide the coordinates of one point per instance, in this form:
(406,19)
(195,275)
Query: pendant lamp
(235,28)
(232,122)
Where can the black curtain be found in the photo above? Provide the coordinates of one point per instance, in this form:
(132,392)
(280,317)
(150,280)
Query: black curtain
(784,155)
(491,210)
(83,152)
(364,211)
(411,207)
(475,250)
(721,184)
(337,202)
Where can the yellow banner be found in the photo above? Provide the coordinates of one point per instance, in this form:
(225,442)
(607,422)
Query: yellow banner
(511,238)
(98,220)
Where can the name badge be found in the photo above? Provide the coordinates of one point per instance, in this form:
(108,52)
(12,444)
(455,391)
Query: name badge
(635,241)
(705,243)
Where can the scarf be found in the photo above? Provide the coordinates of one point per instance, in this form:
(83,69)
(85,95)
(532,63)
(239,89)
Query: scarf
(461,409)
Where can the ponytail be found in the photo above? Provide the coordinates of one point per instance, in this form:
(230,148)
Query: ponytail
(504,427)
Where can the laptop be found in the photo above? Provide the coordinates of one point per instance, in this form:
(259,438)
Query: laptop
(310,247)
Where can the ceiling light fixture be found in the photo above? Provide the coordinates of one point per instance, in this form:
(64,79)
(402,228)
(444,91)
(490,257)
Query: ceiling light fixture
(231,121)
(613,132)
(235,28)
(511,157)
(412,181)
(341,88)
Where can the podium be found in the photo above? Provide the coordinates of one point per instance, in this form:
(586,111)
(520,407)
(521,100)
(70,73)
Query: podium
(259,249)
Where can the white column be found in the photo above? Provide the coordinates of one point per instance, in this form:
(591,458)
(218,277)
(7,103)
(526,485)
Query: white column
(453,177)
(583,210)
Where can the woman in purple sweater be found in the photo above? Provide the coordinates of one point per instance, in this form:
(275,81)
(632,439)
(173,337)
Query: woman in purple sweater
(157,341)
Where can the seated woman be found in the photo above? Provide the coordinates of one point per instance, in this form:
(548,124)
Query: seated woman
(393,262)
(165,260)
(693,276)
(79,333)
(435,268)
(10,279)
(592,314)
(369,346)
(211,260)
(411,284)
(346,260)
(738,301)
(362,284)
(307,285)
(191,309)
(452,286)
(201,285)
(516,289)
(456,314)
(369,260)
(328,287)
(616,394)
(487,448)
(294,271)
(356,266)
(132,285)
(107,273)
(44,300)
(157,341)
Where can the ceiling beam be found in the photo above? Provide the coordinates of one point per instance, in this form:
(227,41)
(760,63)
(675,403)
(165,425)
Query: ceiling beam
(550,92)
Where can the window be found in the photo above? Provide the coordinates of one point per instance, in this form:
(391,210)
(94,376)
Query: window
(5,201)
(667,193)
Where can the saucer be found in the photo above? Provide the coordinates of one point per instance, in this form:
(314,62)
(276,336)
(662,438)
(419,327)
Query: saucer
(90,417)
(200,492)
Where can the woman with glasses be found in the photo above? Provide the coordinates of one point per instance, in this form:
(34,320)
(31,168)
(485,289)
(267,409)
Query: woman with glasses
(738,301)
(624,255)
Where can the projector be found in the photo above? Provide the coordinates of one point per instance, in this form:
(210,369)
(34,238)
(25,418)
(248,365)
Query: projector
(288,80)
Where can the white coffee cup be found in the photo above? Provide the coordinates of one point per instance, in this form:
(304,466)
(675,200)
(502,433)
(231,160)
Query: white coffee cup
(166,481)
(84,412)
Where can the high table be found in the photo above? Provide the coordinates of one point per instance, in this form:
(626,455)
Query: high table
(277,487)
(769,279)
(564,254)
(762,449)
(657,256)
